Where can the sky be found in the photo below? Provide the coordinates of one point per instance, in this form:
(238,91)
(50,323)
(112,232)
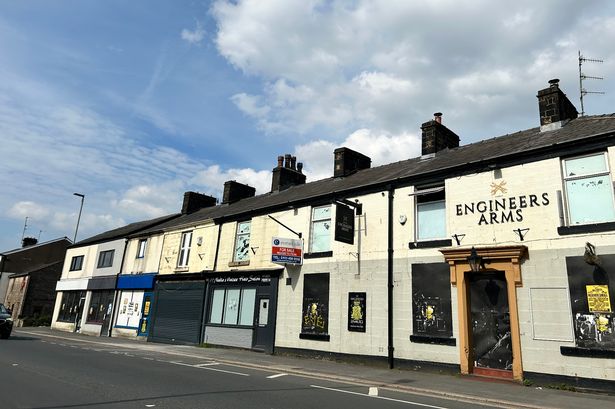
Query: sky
(133,103)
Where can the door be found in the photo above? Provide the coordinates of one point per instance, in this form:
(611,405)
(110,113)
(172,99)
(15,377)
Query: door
(79,314)
(143,330)
(107,301)
(263,338)
(490,324)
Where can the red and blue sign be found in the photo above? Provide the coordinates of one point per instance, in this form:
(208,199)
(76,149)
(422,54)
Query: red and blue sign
(286,251)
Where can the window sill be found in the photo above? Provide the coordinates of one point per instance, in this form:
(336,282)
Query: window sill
(587,352)
(181,270)
(586,228)
(428,244)
(318,254)
(315,337)
(427,339)
(239,263)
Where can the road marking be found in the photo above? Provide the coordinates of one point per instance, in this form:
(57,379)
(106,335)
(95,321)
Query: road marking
(15,364)
(379,397)
(209,369)
(208,364)
(276,375)
(149,359)
(149,406)
(373,391)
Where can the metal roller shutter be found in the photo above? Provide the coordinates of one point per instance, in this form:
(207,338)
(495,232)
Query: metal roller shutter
(178,312)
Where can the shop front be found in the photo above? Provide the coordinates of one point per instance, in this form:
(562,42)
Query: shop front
(135,297)
(99,299)
(240,309)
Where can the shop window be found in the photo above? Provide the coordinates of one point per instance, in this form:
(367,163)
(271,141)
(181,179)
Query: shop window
(431,303)
(129,309)
(589,190)
(184,249)
(242,242)
(592,293)
(76,263)
(69,306)
(320,239)
(101,304)
(105,258)
(232,306)
(430,214)
(315,313)
(142,247)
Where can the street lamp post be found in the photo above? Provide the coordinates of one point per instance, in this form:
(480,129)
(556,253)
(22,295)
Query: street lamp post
(78,218)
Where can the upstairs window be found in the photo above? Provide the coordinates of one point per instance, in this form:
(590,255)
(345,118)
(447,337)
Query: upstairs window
(76,263)
(589,189)
(242,242)
(142,247)
(320,239)
(184,249)
(430,214)
(105,258)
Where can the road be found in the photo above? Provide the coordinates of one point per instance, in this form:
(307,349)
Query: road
(47,372)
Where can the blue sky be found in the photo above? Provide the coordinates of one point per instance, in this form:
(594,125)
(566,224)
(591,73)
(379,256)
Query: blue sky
(133,103)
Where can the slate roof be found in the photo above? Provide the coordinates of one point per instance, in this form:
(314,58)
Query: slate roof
(124,231)
(40,268)
(19,249)
(522,147)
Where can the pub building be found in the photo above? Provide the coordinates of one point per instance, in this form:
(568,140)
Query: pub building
(494,258)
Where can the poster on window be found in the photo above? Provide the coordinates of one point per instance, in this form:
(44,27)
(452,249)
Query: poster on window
(315,313)
(357,312)
(431,300)
(592,287)
(129,309)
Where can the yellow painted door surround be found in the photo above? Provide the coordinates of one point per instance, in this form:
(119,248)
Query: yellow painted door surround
(499,258)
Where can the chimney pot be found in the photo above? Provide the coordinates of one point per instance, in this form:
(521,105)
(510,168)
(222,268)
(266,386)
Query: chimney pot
(280,161)
(287,160)
(438,117)
(293,162)
(554,82)
(300,167)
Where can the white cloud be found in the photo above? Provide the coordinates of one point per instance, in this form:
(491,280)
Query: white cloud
(212,178)
(381,147)
(195,36)
(29,209)
(340,66)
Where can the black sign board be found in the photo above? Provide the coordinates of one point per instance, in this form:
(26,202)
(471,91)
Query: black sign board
(344,224)
(357,311)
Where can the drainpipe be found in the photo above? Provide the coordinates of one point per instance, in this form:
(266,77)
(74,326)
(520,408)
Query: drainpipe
(390,277)
(217,248)
(117,293)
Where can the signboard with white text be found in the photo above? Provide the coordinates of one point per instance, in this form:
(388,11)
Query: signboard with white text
(286,251)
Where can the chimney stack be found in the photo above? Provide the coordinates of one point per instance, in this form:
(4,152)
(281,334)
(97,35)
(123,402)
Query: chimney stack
(555,107)
(288,173)
(194,201)
(346,162)
(29,241)
(436,137)
(234,191)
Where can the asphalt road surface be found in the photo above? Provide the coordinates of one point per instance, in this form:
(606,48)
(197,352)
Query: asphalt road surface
(43,372)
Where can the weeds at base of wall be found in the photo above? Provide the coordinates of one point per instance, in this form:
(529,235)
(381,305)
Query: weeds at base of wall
(561,387)
(527,382)
(205,345)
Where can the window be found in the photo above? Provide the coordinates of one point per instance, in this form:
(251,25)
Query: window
(242,242)
(105,258)
(70,305)
(233,306)
(589,189)
(315,314)
(430,214)
(142,248)
(101,305)
(321,229)
(76,263)
(184,249)
(431,303)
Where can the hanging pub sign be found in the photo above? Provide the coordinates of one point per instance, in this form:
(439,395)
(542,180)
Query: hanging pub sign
(344,224)
(356,311)
(286,251)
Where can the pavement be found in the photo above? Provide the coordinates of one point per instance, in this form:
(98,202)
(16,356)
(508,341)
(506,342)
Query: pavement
(456,387)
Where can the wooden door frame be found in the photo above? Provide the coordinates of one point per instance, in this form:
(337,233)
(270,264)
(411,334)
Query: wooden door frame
(506,259)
